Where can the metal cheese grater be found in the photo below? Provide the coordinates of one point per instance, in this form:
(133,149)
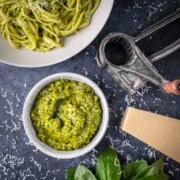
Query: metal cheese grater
(133,69)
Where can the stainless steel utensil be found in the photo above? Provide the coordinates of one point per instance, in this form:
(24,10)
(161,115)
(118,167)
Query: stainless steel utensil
(120,56)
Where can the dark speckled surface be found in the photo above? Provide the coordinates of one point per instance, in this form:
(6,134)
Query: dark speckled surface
(21,160)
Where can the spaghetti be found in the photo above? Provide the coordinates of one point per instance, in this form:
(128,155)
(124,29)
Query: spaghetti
(41,24)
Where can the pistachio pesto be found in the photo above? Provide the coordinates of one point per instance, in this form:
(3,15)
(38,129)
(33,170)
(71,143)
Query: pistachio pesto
(66,114)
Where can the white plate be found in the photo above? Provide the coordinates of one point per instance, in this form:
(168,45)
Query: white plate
(72,44)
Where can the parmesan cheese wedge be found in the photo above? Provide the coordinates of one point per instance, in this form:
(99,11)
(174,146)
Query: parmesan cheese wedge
(160,132)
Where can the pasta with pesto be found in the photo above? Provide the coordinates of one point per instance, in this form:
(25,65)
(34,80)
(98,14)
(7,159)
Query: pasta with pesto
(40,25)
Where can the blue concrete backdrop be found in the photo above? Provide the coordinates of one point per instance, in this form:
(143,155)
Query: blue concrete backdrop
(21,160)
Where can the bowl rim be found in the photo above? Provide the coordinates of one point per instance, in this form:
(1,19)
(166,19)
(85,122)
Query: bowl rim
(30,132)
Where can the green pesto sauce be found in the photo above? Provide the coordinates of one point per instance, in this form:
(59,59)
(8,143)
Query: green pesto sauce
(66,114)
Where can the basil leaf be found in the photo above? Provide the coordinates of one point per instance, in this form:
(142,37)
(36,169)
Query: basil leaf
(156,168)
(83,173)
(108,166)
(70,173)
(155,177)
(130,170)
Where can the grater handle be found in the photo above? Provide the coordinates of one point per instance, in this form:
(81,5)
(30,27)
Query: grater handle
(165,51)
(158,25)
(172,87)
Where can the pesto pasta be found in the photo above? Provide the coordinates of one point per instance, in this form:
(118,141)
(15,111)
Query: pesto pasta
(41,24)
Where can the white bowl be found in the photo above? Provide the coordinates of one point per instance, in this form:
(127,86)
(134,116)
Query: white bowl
(31,132)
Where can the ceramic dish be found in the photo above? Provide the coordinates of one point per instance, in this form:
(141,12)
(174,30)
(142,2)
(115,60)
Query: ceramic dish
(31,132)
(72,44)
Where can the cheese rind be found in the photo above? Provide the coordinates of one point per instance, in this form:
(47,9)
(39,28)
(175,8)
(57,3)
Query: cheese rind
(160,132)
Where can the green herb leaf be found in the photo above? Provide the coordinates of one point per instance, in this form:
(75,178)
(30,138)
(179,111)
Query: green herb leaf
(155,177)
(70,173)
(83,173)
(130,170)
(156,168)
(108,166)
